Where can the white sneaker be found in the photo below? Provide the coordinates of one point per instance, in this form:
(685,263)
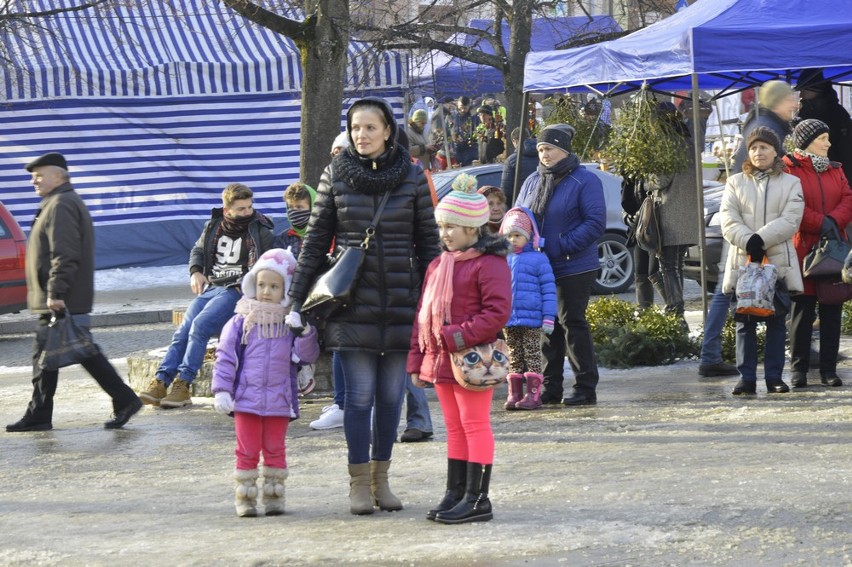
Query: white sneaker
(330,418)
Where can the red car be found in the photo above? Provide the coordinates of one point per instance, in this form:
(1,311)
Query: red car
(13,245)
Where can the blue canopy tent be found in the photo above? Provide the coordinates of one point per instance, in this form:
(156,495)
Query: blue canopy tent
(158,106)
(712,44)
(443,75)
(726,43)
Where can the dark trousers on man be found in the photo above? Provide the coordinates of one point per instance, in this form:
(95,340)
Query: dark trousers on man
(40,408)
(570,336)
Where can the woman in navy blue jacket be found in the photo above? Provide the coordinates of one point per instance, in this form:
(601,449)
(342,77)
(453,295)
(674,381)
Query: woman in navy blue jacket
(569,207)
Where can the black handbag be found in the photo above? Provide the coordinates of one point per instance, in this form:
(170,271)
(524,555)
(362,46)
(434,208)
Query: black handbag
(648,235)
(826,258)
(66,343)
(334,288)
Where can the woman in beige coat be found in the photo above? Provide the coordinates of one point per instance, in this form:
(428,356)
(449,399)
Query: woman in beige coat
(761,211)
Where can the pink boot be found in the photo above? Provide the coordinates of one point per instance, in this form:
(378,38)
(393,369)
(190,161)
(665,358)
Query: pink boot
(516,390)
(533,398)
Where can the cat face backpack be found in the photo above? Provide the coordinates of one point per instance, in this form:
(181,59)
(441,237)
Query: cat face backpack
(481,367)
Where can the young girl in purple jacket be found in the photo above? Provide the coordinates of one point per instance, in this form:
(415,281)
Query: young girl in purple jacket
(255,378)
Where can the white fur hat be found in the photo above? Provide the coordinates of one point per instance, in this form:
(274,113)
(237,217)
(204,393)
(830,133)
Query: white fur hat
(277,260)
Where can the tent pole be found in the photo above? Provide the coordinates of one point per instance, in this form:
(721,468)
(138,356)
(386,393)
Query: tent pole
(697,135)
(517,181)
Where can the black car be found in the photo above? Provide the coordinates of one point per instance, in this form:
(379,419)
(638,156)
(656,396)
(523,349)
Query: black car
(616,259)
(712,240)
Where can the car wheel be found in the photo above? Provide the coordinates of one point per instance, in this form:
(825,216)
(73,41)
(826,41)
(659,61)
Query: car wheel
(616,265)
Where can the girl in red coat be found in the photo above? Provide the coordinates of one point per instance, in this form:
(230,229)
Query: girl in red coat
(466,302)
(828,210)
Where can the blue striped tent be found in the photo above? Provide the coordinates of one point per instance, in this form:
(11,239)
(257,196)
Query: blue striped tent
(157,108)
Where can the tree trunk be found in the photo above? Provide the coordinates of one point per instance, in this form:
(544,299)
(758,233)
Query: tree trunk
(324,55)
(513,77)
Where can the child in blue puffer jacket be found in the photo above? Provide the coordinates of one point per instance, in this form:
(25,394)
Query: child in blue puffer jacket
(533,308)
(255,378)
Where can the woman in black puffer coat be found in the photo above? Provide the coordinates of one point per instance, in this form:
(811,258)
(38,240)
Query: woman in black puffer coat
(372,334)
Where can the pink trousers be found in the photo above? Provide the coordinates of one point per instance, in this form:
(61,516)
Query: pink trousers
(256,434)
(467,416)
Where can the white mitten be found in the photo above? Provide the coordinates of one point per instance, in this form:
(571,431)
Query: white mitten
(294,321)
(223,403)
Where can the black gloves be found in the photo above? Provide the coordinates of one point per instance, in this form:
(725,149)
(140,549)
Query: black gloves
(754,248)
(828,229)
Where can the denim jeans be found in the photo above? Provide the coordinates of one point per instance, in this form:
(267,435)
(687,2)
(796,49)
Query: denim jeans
(717,315)
(337,380)
(416,407)
(372,378)
(204,317)
(773,356)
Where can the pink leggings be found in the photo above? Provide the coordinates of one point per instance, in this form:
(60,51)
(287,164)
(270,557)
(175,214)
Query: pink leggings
(467,416)
(257,433)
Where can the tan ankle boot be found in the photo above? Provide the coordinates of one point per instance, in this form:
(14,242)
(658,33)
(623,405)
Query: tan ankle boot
(360,498)
(380,489)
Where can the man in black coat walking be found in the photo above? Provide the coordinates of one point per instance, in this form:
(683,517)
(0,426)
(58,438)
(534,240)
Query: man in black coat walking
(60,269)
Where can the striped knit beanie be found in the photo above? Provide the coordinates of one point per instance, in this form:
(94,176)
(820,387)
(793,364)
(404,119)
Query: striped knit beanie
(463,206)
(807,131)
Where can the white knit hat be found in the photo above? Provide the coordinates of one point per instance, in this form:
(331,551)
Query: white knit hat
(277,260)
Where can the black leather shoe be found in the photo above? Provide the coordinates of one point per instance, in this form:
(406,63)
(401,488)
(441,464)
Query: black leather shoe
(799,379)
(550,399)
(744,387)
(580,399)
(414,435)
(718,369)
(122,416)
(777,387)
(831,380)
(25,424)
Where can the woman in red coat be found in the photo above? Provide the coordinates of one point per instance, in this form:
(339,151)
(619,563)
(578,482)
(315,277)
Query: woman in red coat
(828,210)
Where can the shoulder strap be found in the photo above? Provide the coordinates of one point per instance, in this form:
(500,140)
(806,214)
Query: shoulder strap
(371,230)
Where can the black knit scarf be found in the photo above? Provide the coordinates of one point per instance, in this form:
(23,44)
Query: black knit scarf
(372,176)
(549,178)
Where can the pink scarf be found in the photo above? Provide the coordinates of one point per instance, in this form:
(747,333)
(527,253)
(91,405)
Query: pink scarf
(267,317)
(438,296)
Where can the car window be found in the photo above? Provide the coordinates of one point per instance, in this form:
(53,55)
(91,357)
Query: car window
(4,232)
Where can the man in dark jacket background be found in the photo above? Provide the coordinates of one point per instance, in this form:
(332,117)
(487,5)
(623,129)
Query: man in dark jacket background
(819,100)
(60,271)
(232,240)
(529,163)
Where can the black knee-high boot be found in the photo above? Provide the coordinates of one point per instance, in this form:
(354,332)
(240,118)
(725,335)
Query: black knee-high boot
(474,506)
(456,480)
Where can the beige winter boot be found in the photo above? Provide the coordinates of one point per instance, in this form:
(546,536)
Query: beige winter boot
(380,489)
(273,490)
(360,498)
(245,493)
